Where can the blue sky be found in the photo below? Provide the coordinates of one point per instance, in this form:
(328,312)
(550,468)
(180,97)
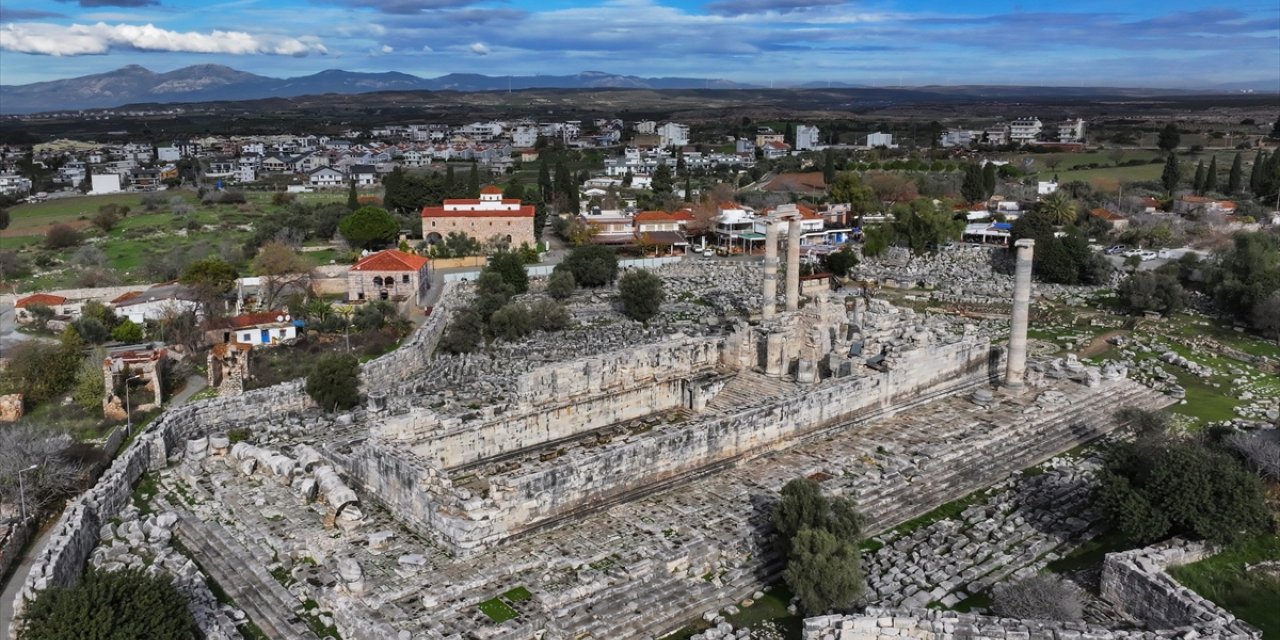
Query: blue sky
(1168,43)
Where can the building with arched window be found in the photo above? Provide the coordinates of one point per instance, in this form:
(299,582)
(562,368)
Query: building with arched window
(388,275)
(483,219)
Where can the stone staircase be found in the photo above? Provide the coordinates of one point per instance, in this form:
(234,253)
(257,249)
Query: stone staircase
(244,578)
(748,389)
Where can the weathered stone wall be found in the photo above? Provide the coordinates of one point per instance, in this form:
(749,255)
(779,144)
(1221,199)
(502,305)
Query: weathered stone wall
(421,493)
(1138,583)
(893,624)
(392,370)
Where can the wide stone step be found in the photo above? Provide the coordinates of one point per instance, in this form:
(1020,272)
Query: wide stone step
(254,590)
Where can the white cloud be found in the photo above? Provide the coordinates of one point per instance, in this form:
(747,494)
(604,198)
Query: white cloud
(80,39)
(386,48)
(479,49)
(426,48)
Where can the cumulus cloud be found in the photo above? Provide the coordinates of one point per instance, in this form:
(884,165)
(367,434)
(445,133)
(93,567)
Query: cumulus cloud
(386,48)
(95,39)
(479,49)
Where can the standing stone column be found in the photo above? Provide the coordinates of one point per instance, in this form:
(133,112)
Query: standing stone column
(793,265)
(1016,366)
(770,269)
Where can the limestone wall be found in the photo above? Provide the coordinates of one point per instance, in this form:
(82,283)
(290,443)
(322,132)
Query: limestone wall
(419,491)
(1138,583)
(564,382)
(894,624)
(390,371)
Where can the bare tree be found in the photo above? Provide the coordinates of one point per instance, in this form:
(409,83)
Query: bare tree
(281,268)
(54,476)
(1041,597)
(1261,453)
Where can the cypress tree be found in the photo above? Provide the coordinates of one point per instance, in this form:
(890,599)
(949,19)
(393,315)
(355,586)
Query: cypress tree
(1255,175)
(1197,183)
(473,182)
(450,183)
(353,201)
(544,180)
(1211,175)
(989,179)
(828,167)
(1172,173)
(971,189)
(1237,174)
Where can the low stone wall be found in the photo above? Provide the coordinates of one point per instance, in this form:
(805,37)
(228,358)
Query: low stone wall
(390,371)
(1138,583)
(894,624)
(15,537)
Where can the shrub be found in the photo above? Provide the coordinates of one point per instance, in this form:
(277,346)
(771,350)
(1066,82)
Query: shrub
(92,330)
(464,333)
(511,322)
(334,382)
(1040,597)
(1148,291)
(549,315)
(510,266)
(561,284)
(61,236)
(127,332)
(641,294)
(110,604)
(105,219)
(592,265)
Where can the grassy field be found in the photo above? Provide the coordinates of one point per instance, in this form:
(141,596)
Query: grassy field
(141,236)
(1252,596)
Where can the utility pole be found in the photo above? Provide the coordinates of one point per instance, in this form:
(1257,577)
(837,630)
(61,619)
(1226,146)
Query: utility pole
(22,490)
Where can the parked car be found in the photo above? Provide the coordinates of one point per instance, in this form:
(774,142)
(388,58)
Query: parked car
(1132,252)
(1148,255)
(1116,249)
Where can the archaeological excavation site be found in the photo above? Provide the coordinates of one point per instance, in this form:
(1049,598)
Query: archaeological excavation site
(615,480)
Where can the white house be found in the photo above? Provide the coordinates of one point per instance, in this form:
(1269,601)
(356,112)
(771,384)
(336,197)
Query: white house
(1024,130)
(12,184)
(262,329)
(672,134)
(157,303)
(326,177)
(806,137)
(1071,131)
(105,183)
(1046,188)
(168,154)
(524,137)
(364,175)
(879,139)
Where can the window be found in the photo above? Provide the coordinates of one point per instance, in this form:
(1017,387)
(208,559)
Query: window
(406,278)
(377,281)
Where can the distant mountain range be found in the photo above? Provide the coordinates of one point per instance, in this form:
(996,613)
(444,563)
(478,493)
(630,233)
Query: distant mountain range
(133,85)
(210,82)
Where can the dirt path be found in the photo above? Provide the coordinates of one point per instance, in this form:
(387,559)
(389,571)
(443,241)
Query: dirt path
(1100,344)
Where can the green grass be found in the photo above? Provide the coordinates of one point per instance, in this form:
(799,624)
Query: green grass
(771,608)
(497,610)
(1091,553)
(975,601)
(144,492)
(518,594)
(35,214)
(1222,578)
(949,510)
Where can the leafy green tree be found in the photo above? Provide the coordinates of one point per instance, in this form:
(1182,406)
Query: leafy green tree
(511,322)
(924,226)
(824,572)
(840,262)
(662,181)
(41,314)
(1171,175)
(1235,179)
(369,228)
(334,382)
(1246,273)
(876,240)
(549,315)
(510,266)
(127,332)
(561,284)
(1169,138)
(465,332)
(592,265)
(1058,208)
(1150,291)
(110,605)
(90,383)
(848,187)
(1197,183)
(353,199)
(1156,487)
(209,279)
(514,190)
(641,294)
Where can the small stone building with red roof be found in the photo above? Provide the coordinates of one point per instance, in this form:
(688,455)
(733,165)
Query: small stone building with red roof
(389,275)
(483,219)
(60,305)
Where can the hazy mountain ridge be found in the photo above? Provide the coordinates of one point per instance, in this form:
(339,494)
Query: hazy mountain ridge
(216,83)
(135,84)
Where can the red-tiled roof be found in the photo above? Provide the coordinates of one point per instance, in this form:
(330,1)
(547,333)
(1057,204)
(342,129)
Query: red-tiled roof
(476,201)
(390,260)
(491,189)
(128,295)
(255,319)
(1197,199)
(1106,215)
(525,211)
(39,298)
